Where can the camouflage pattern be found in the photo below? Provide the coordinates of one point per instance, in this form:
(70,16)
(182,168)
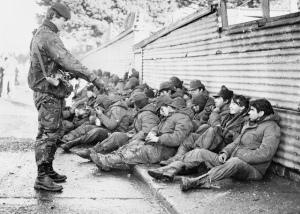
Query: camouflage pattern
(48,98)
(78,132)
(113,142)
(55,57)
(136,152)
(50,123)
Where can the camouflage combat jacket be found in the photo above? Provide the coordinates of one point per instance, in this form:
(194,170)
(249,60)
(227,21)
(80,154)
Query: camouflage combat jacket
(55,57)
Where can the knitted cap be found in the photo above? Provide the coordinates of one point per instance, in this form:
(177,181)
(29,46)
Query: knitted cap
(136,96)
(134,73)
(140,99)
(176,82)
(199,100)
(225,93)
(132,83)
(149,93)
(195,84)
(163,100)
(178,103)
(166,86)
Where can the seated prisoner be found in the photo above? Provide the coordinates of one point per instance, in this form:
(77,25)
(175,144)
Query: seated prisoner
(115,118)
(223,130)
(144,120)
(247,158)
(160,144)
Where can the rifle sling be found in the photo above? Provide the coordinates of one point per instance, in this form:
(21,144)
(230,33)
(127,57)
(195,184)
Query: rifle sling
(41,61)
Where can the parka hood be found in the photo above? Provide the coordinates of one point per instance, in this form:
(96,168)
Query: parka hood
(272,117)
(150,107)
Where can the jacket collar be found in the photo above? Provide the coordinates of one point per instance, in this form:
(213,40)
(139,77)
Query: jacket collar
(273,117)
(50,25)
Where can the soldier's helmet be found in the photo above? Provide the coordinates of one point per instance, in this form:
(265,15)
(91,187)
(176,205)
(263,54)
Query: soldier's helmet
(62,10)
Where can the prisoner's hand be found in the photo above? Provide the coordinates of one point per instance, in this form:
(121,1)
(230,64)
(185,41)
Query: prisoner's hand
(223,157)
(149,136)
(152,139)
(99,111)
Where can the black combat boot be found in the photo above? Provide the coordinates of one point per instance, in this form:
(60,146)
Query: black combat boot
(202,181)
(67,146)
(167,173)
(54,175)
(44,182)
(85,153)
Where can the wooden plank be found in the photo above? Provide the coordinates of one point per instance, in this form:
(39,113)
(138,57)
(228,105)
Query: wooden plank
(266,8)
(223,11)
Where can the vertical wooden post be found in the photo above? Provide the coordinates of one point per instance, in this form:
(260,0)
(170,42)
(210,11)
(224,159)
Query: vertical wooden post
(223,11)
(266,8)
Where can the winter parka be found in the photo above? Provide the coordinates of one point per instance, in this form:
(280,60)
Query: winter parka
(173,129)
(144,121)
(117,117)
(257,143)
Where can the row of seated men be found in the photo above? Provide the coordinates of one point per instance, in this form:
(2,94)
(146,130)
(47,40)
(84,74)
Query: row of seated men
(182,129)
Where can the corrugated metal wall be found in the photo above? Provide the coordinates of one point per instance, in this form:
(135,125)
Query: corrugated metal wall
(115,57)
(255,62)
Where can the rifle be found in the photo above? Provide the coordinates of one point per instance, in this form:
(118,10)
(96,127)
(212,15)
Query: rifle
(59,76)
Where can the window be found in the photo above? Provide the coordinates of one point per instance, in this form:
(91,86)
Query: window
(241,11)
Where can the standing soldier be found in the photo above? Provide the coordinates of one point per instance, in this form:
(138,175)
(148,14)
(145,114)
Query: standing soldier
(49,62)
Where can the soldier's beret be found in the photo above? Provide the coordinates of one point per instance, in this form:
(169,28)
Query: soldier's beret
(62,10)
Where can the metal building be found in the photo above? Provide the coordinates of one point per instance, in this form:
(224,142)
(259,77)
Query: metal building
(116,56)
(258,59)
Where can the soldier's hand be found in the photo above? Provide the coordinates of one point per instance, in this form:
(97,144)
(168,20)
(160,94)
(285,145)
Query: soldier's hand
(223,157)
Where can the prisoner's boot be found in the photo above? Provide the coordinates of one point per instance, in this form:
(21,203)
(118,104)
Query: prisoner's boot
(166,173)
(180,152)
(202,181)
(44,182)
(54,175)
(85,153)
(99,160)
(170,160)
(67,146)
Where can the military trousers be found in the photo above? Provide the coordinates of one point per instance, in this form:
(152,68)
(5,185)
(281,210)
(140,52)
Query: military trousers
(87,134)
(233,167)
(210,139)
(136,152)
(49,126)
(113,142)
